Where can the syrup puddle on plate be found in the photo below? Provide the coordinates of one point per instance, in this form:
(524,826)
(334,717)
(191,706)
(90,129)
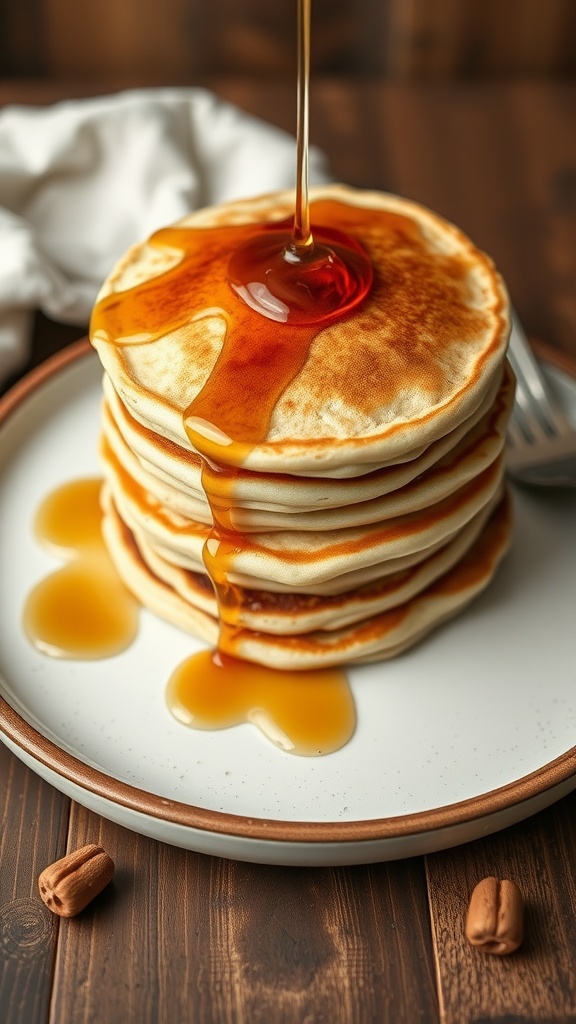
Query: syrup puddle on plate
(84,611)
(307,713)
(256,276)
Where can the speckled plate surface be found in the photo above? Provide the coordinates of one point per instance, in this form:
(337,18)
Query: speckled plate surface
(471,731)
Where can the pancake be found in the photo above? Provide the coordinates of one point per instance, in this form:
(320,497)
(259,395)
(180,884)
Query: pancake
(301,558)
(392,632)
(297,611)
(313,494)
(427,483)
(367,638)
(286,492)
(414,361)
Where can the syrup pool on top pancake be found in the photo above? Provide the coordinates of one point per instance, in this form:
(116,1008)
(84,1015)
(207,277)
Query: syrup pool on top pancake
(413,361)
(343,470)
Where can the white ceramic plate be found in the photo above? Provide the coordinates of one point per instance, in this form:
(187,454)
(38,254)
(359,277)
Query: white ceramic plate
(469,732)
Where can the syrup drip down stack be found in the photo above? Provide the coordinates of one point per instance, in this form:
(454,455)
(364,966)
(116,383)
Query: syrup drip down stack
(306,496)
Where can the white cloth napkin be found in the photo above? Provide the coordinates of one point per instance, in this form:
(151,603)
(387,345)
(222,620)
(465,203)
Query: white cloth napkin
(84,179)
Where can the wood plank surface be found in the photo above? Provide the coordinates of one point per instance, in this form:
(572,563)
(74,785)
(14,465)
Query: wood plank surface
(493,161)
(212,941)
(180,937)
(34,824)
(181,39)
(466,38)
(498,160)
(538,982)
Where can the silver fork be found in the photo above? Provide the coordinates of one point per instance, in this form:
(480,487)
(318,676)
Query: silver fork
(541,441)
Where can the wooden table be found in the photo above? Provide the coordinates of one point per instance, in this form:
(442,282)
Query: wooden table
(181,937)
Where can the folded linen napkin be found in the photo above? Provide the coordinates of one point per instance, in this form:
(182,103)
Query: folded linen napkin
(84,179)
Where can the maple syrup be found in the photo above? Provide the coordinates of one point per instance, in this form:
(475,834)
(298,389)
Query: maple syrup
(83,609)
(249,275)
(259,358)
(325,282)
(306,713)
(305,278)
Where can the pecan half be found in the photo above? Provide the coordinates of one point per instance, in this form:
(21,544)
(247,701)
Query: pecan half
(68,885)
(495,916)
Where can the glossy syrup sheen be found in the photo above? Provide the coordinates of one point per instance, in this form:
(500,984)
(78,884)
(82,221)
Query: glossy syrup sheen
(84,611)
(306,713)
(303,712)
(81,610)
(259,356)
(250,274)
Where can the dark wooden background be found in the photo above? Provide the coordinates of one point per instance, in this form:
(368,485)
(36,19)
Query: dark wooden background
(408,95)
(181,938)
(176,40)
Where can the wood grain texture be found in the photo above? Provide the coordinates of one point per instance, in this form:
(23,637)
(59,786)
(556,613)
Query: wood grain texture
(34,822)
(21,38)
(499,160)
(178,40)
(182,38)
(132,38)
(214,941)
(538,982)
(179,937)
(455,39)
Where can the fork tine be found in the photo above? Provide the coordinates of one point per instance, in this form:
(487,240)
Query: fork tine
(526,416)
(533,395)
(541,445)
(515,433)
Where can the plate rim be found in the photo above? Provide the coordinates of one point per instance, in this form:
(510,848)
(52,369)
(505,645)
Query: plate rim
(29,740)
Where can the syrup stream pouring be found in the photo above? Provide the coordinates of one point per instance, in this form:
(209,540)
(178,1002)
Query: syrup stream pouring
(302,242)
(299,279)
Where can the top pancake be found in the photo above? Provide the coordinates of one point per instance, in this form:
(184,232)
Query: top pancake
(410,364)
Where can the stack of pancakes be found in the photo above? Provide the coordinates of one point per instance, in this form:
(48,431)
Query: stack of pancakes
(375,507)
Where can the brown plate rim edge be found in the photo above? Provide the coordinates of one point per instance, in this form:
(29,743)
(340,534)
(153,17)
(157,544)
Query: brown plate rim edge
(46,752)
